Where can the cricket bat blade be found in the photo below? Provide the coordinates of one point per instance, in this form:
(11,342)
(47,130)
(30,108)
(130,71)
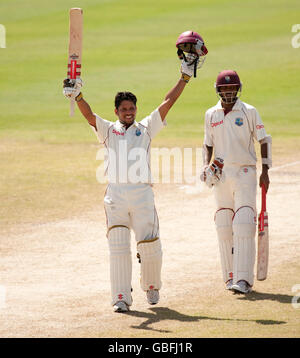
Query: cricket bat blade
(75,48)
(263,240)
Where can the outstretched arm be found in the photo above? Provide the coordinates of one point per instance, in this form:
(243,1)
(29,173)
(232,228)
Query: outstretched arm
(73,90)
(171,98)
(187,71)
(86,111)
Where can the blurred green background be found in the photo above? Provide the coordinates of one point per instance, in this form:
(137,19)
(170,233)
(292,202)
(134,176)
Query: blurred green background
(47,159)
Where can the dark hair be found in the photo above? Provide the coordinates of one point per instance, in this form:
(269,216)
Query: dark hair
(124,96)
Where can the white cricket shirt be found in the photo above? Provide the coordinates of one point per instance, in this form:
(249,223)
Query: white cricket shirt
(128,151)
(232,136)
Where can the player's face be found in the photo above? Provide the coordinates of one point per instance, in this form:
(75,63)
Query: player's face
(126,112)
(228,93)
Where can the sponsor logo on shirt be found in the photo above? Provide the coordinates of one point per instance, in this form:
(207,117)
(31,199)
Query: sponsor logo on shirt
(118,133)
(217,123)
(260,126)
(138,132)
(239,121)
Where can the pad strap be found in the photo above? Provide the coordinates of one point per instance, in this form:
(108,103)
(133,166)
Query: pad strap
(113,227)
(144,241)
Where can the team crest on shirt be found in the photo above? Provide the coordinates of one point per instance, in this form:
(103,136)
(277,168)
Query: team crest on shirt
(239,121)
(138,132)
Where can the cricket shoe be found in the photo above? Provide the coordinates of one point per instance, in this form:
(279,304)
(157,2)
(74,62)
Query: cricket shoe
(229,284)
(121,306)
(241,287)
(152,296)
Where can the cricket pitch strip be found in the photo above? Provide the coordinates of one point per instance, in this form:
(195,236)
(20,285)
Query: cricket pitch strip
(55,276)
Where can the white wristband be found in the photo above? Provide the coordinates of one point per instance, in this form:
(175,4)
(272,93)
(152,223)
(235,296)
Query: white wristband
(267,161)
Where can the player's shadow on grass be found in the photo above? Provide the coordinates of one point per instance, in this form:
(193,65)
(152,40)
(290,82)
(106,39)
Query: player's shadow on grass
(262,296)
(163,313)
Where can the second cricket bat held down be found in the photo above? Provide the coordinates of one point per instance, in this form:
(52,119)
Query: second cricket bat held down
(263,239)
(75,47)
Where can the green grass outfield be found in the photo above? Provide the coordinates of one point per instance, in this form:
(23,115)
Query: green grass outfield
(130,45)
(48,159)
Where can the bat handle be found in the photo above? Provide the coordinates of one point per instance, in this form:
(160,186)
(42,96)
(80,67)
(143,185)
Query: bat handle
(72,107)
(263,197)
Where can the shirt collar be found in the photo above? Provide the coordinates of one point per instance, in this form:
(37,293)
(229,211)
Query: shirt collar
(219,105)
(121,126)
(238,105)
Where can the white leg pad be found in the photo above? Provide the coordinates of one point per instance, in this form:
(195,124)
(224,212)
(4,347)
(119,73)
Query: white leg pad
(244,229)
(151,261)
(223,221)
(120,264)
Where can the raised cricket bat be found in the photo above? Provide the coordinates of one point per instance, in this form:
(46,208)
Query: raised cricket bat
(263,239)
(75,48)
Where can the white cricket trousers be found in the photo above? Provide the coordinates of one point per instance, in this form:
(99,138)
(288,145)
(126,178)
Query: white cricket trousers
(235,221)
(131,206)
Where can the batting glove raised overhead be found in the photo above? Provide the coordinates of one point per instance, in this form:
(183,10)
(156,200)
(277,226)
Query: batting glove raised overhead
(189,66)
(72,88)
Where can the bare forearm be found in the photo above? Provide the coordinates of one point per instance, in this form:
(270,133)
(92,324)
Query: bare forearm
(264,177)
(86,111)
(171,98)
(207,154)
(264,154)
(175,92)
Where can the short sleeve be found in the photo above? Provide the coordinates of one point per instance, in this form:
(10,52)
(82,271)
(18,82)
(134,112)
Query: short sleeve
(153,123)
(208,137)
(102,128)
(259,131)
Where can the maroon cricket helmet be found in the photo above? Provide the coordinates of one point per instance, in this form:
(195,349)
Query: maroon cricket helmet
(187,42)
(228,77)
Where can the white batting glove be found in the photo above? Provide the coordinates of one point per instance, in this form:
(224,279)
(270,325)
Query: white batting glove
(187,67)
(203,173)
(211,179)
(72,88)
(213,174)
(208,177)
